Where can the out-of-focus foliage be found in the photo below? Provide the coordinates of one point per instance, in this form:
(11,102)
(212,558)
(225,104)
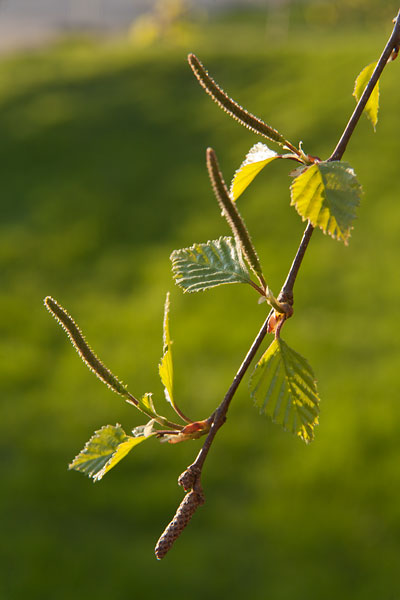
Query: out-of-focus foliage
(103,175)
(168,22)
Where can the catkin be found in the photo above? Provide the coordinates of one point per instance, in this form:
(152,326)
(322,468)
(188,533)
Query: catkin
(230,106)
(231,213)
(82,347)
(185,512)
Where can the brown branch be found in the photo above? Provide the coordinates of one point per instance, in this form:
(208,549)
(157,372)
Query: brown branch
(220,414)
(190,479)
(286,293)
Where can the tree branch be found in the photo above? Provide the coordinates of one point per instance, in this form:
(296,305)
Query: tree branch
(393,42)
(286,293)
(190,479)
(220,414)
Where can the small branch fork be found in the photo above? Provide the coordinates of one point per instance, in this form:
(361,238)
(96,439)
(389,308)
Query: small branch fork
(190,479)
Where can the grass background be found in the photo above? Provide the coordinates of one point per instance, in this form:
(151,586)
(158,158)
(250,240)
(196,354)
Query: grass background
(103,175)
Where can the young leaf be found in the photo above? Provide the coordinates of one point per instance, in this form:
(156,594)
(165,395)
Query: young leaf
(104,450)
(256,159)
(83,348)
(165,367)
(372,106)
(283,387)
(233,108)
(232,215)
(203,266)
(145,404)
(327,194)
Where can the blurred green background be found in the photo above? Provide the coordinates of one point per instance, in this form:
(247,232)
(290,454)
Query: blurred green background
(103,175)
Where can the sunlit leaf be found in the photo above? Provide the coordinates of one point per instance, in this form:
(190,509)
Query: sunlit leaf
(146,405)
(105,449)
(283,387)
(203,266)
(328,193)
(257,158)
(165,368)
(372,106)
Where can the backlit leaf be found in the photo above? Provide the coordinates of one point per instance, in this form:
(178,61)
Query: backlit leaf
(203,266)
(165,368)
(327,194)
(283,387)
(257,158)
(104,450)
(372,106)
(145,404)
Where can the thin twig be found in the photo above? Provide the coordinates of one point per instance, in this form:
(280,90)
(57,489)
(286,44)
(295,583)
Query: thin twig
(220,413)
(286,293)
(393,42)
(193,472)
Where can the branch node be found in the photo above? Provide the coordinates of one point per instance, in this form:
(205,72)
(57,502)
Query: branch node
(287,299)
(188,478)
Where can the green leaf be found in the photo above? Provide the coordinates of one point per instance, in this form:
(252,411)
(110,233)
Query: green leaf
(328,193)
(165,368)
(372,106)
(203,266)
(105,449)
(256,159)
(145,404)
(283,387)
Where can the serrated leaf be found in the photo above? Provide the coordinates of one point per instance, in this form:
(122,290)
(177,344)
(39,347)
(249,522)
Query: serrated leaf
(203,266)
(372,106)
(328,193)
(104,450)
(256,159)
(165,368)
(283,387)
